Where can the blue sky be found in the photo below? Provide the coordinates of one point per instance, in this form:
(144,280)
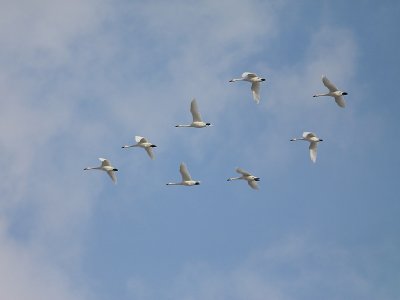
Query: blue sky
(79,79)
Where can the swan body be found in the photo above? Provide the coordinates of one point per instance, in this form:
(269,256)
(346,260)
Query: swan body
(333,92)
(255,83)
(107,167)
(143,143)
(186,178)
(314,140)
(251,179)
(197,120)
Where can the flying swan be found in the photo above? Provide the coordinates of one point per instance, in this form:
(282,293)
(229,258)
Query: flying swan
(107,167)
(186,178)
(255,83)
(197,120)
(333,92)
(143,143)
(251,179)
(314,140)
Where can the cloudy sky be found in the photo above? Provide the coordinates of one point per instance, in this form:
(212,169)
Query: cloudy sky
(81,78)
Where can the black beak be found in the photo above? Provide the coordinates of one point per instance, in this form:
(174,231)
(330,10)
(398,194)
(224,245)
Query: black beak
(321,140)
(208,124)
(153,146)
(257,179)
(115,169)
(263,79)
(344,93)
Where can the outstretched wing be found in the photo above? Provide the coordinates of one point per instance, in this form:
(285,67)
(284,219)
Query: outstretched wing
(150,152)
(255,88)
(194,109)
(104,162)
(140,139)
(248,75)
(112,176)
(313,151)
(328,84)
(340,101)
(308,135)
(184,173)
(253,184)
(243,172)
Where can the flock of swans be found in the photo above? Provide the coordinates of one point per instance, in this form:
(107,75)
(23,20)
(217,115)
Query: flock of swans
(198,122)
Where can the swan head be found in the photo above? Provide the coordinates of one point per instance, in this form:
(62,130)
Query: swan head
(344,93)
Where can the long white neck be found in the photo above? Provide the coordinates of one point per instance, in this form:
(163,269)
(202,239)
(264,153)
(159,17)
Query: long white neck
(183,125)
(318,95)
(236,79)
(234,178)
(92,168)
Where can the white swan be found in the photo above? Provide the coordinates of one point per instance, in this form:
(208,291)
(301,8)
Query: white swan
(107,167)
(143,143)
(333,92)
(197,120)
(314,140)
(186,178)
(255,83)
(251,179)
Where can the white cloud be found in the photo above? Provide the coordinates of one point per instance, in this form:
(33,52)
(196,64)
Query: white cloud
(292,268)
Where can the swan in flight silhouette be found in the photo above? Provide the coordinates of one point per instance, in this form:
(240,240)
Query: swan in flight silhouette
(314,140)
(107,167)
(186,178)
(255,83)
(143,143)
(251,179)
(333,92)
(197,120)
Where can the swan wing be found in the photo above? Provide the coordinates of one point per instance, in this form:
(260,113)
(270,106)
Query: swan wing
(248,75)
(184,172)
(340,101)
(243,172)
(313,151)
(140,139)
(104,162)
(112,176)
(255,88)
(308,135)
(194,109)
(150,152)
(253,184)
(328,84)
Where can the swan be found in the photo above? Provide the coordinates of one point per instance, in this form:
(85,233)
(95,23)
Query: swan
(143,143)
(333,92)
(186,179)
(107,167)
(255,83)
(314,140)
(197,121)
(251,179)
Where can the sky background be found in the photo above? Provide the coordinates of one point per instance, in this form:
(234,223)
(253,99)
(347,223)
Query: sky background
(81,78)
